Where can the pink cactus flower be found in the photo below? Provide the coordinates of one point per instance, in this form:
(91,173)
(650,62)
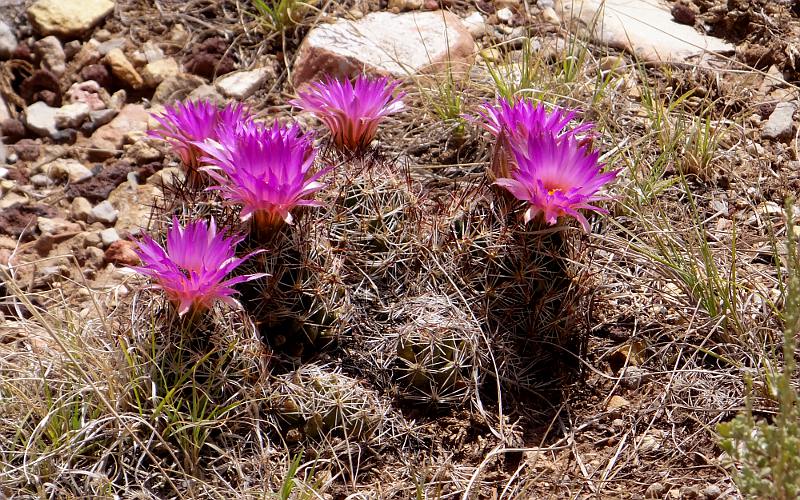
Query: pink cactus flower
(191,270)
(557,176)
(185,124)
(352,112)
(513,123)
(266,170)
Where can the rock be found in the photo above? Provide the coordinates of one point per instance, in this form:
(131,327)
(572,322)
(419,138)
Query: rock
(27,149)
(86,239)
(41,119)
(111,137)
(167,177)
(617,402)
(71,170)
(87,55)
(71,48)
(11,199)
(80,209)
(642,27)
(98,119)
(476,24)
(684,13)
(68,19)
(117,99)
(712,492)
(211,57)
(122,252)
(141,152)
(105,213)
(159,70)
(72,115)
(8,42)
(12,130)
(43,86)
(549,15)
(3,173)
(655,490)
(122,68)
(99,187)
(242,84)
(109,236)
(92,257)
(96,73)
(404,5)
(152,52)
(504,15)
(88,92)
(56,226)
(51,53)
(385,44)
(134,204)
(176,88)
(780,124)
(206,92)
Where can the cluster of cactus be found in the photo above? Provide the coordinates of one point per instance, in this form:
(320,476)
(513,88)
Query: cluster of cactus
(318,402)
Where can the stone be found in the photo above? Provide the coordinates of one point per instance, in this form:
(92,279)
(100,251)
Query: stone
(159,70)
(105,213)
(644,28)
(89,92)
(167,177)
(71,48)
(80,209)
(206,92)
(655,490)
(109,236)
(141,152)
(8,42)
(41,181)
(617,402)
(68,19)
(93,257)
(712,492)
(505,15)
(122,252)
(122,68)
(97,73)
(10,199)
(404,5)
(41,119)
(387,44)
(98,119)
(12,130)
(780,124)
(51,54)
(476,24)
(152,52)
(72,115)
(27,149)
(111,137)
(549,15)
(114,43)
(71,170)
(134,204)
(242,84)
(56,226)
(176,88)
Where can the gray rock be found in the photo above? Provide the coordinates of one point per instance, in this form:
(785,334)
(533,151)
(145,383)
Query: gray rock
(8,42)
(72,115)
(243,84)
(176,88)
(94,257)
(141,153)
(52,55)
(41,119)
(712,492)
(40,181)
(56,226)
(105,213)
(206,92)
(81,209)
(87,239)
(97,119)
(780,124)
(476,24)
(65,169)
(109,236)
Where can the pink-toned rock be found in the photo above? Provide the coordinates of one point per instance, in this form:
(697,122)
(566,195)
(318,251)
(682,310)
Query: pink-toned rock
(111,137)
(387,44)
(122,252)
(88,92)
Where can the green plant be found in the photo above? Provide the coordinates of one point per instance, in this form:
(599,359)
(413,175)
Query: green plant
(277,15)
(768,452)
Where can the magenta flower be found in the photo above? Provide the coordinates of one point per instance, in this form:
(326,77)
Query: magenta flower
(185,124)
(352,112)
(557,176)
(192,269)
(267,170)
(513,123)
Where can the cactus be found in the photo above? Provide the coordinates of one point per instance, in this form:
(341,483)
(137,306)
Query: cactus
(320,402)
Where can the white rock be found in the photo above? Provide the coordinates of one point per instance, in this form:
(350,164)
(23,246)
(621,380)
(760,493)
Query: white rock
(157,71)
(504,15)
(122,68)
(72,115)
(41,119)
(134,204)
(385,44)
(3,172)
(12,198)
(242,84)
(51,53)
(56,226)
(8,42)
(71,170)
(476,24)
(109,236)
(68,18)
(104,212)
(642,27)
(780,124)
(80,209)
